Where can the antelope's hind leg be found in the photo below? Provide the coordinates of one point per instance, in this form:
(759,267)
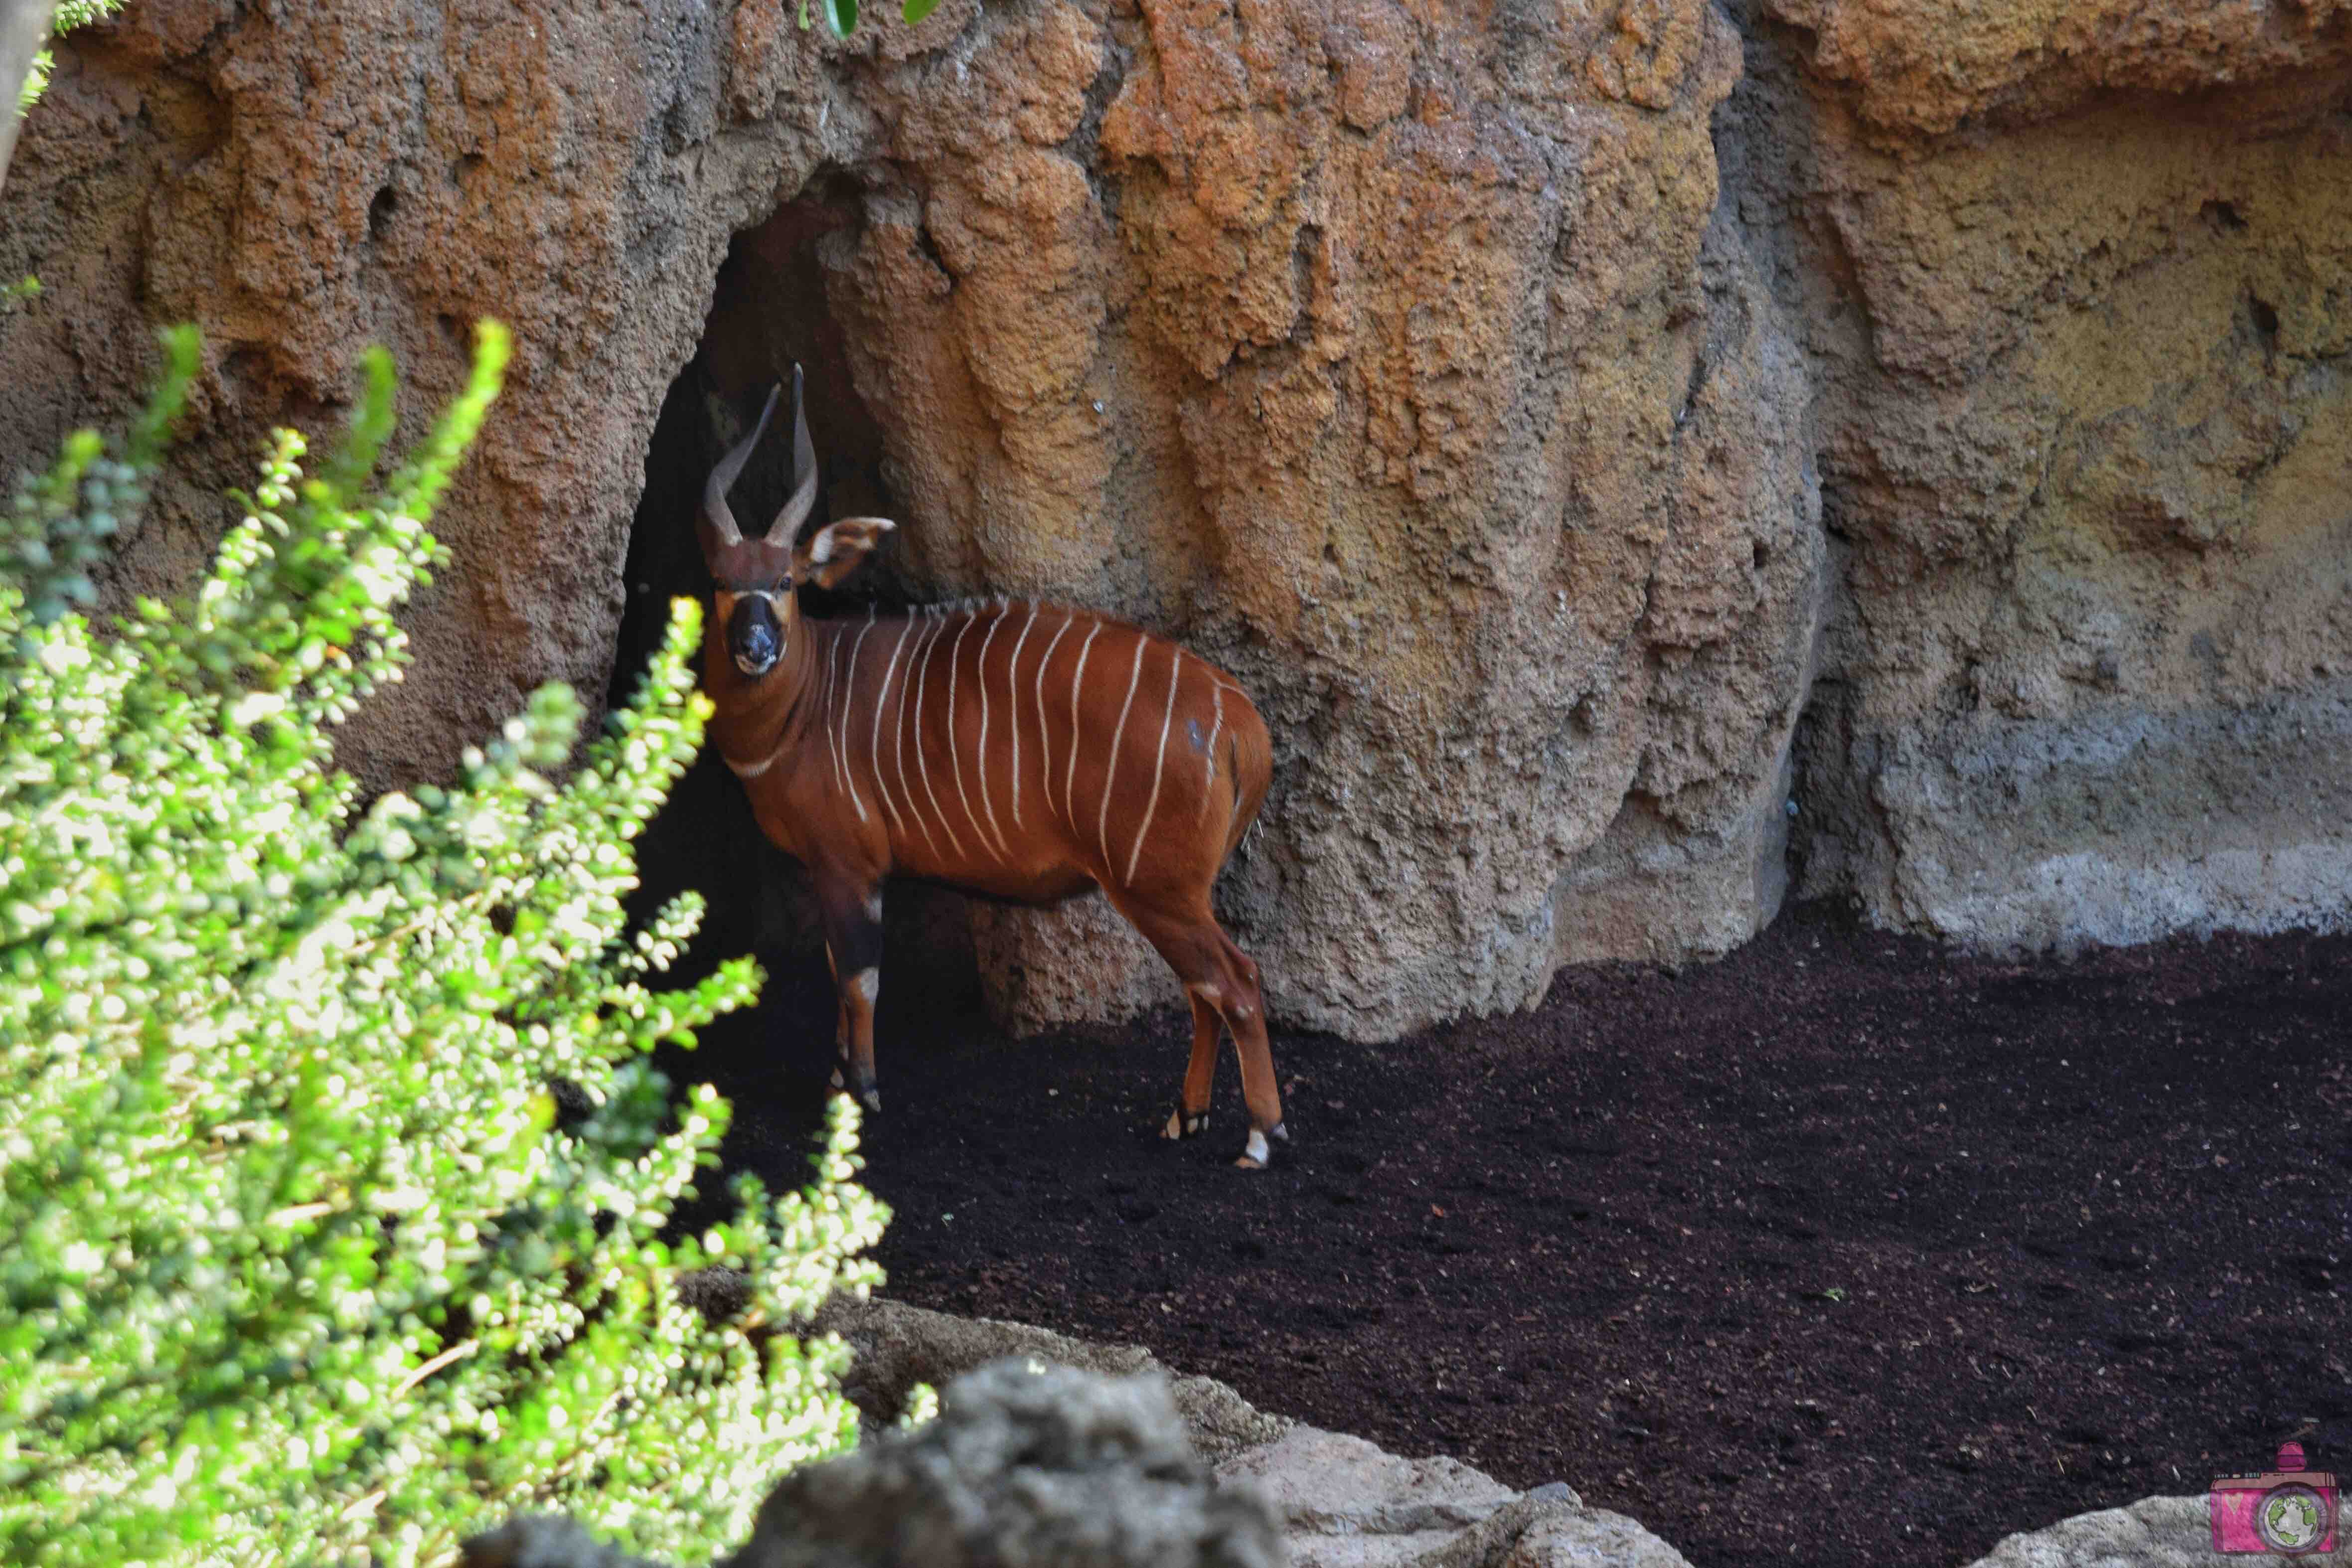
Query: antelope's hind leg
(852,948)
(1244,1012)
(1191,1113)
(1223,978)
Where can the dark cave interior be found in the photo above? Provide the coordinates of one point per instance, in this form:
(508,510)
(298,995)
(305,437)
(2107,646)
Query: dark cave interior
(768,313)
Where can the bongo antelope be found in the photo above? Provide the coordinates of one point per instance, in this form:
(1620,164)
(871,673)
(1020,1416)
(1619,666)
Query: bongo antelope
(1017,750)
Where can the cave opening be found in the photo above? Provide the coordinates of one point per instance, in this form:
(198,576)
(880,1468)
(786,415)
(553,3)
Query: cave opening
(769,311)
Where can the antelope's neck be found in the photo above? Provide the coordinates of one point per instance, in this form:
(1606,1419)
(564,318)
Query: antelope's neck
(754,720)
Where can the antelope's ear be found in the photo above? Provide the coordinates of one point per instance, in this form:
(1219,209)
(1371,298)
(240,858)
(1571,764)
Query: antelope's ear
(836,548)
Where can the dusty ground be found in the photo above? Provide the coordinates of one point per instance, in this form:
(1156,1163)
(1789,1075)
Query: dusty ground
(1843,1249)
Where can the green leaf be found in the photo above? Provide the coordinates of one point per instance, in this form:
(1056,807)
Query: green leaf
(346,472)
(182,356)
(296,1263)
(915,11)
(843,15)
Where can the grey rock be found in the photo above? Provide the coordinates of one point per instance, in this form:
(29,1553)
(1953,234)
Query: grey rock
(1343,1502)
(2154,1532)
(899,1347)
(2114,826)
(1346,1504)
(1540,1532)
(1028,1463)
(1056,1450)
(543,1541)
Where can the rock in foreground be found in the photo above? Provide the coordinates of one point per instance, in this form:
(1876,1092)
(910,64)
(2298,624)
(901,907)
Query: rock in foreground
(1027,1463)
(1034,1460)
(2154,1532)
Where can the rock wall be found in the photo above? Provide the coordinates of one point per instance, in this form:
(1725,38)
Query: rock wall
(2078,284)
(1398,357)
(1538,408)
(302,182)
(1395,359)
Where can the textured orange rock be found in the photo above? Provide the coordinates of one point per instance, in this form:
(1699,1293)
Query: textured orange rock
(1366,352)
(1368,347)
(2086,423)
(1927,66)
(303,184)
(1412,361)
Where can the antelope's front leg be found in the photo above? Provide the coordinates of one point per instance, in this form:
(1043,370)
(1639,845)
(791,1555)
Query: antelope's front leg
(853,946)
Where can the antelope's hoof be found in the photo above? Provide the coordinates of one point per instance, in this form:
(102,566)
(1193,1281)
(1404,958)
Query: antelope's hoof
(1255,1155)
(1182,1126)
(837,1084)
(870,1096)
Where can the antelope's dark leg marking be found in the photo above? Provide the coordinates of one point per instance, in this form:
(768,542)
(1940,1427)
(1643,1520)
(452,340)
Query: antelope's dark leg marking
(852,943)
(840,1023)
(1224,979)
(1191,1113)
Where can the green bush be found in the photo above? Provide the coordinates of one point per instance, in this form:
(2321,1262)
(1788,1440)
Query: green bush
(64,18)
(298,1262)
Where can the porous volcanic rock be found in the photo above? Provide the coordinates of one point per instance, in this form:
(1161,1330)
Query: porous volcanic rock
(303,182)
(1048,1449)
(2078,282)
(1400,357)
(1537,414)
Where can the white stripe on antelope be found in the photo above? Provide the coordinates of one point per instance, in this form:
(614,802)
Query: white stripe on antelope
(1012,703)
(954,745)
(932,632)
(798,696)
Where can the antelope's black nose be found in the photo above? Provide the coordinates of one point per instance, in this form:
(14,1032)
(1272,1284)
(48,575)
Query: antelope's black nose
(754,638)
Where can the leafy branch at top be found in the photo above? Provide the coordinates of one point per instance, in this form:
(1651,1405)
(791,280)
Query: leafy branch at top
(842,15)
(67,16)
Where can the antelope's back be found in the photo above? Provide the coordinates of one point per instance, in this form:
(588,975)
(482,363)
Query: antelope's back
(1007,735)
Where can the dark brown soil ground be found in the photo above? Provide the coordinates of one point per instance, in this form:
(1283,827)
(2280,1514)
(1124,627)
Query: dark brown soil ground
(1844,1249)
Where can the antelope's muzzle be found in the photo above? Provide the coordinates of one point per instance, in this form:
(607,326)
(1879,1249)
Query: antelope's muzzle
(754,638)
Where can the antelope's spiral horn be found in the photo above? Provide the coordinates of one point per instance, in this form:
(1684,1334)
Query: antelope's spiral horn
(722,477)
(795,511)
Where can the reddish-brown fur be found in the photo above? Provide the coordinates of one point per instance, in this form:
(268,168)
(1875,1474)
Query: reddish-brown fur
(1024,751)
